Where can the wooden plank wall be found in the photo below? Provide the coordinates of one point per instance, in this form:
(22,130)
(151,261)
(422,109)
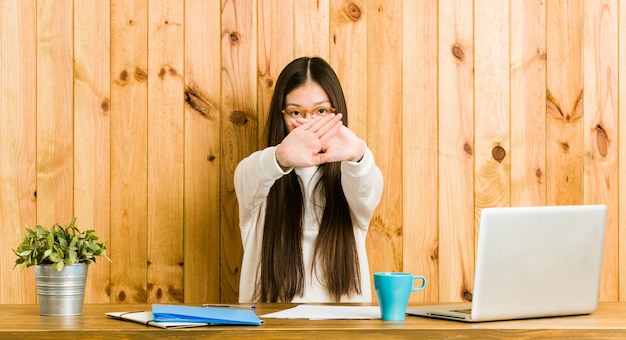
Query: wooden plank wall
(132,115)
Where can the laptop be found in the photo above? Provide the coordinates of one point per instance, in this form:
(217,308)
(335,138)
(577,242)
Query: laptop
(532,262)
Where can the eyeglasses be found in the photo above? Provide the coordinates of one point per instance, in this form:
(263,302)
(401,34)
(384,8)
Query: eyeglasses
(296,112)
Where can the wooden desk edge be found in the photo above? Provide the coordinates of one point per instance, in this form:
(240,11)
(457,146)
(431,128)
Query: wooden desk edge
(24,322)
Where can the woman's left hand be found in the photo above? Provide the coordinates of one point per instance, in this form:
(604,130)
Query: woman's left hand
(345,145)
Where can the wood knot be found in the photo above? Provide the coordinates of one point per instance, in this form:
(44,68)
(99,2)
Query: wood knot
(498,153)
(167,69)
(467,296)
(176,294)
(159,293)
(353,11)
(196,102)
(541,54)
(141,75)
(124,75)
(269,83)
(538,173)
(468,149)
(121,296)
(211,158)
(234,38)
(123,78)
(105,105)
(238,118)
(602,141)
(458,53)
(565,146)
(434,254)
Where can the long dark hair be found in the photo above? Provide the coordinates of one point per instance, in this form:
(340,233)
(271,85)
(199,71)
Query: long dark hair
(282,269)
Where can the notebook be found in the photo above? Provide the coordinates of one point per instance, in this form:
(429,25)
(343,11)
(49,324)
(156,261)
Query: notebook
(211,315)
(180,316)
(532,262)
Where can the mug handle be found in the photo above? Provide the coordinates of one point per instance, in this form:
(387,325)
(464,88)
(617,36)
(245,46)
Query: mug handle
(415,277)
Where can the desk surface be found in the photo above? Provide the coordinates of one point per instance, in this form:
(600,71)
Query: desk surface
(24,322)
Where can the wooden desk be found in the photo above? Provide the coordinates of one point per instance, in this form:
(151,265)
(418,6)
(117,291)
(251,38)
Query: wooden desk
(24,322)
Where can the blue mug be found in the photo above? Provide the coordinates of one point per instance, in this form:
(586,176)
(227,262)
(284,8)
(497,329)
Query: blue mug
(393,290)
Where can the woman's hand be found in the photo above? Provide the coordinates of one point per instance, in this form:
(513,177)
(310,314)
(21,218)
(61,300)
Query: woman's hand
(344,145)
(307,143)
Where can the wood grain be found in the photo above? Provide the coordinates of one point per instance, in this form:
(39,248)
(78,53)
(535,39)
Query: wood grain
(132,117)
(202,153)
(492,145)
(456,151)
(92,156)
(311,29)
(420,146)
(384,131)
(348,57)
(272,58)
(564,102)
(239,128)
(17,142)
(165,152)
(23,322)
(528,103)
(129,151)
(621,145)
(54,112)
(600,126)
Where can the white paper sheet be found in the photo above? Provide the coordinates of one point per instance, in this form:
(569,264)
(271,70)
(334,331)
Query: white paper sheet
(320,312)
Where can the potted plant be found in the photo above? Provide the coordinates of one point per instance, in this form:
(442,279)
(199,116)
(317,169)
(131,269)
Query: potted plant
(61,256)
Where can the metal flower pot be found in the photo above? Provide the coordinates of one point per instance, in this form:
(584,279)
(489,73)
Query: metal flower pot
(61,293)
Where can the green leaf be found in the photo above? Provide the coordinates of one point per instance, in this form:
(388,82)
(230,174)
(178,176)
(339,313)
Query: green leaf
(50,240)
(73,258)
(25,253)
(58,265)
(73,242)
(54,257)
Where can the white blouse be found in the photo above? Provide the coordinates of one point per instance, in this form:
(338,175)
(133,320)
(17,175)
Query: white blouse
(362,184)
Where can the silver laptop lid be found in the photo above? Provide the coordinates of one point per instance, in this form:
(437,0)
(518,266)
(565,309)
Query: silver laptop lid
(538,261)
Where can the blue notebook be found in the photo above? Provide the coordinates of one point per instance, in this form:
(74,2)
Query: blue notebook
(221,316)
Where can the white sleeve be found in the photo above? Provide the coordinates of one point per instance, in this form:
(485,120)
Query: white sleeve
(362,184)
(253,179)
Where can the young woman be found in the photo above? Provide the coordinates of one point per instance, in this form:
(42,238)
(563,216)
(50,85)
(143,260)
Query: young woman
(306,200)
